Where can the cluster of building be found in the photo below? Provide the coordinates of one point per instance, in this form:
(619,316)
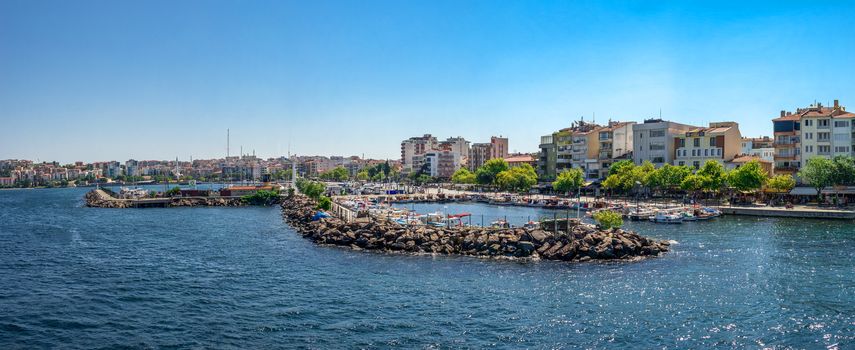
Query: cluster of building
(26,173)
(814,131)
(440,159)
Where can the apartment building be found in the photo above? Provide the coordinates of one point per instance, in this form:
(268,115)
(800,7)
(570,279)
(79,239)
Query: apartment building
(720,142)
(442,164)
(787,135)
(546,158)
(653,141)
(586,146)
(576,147)
(498,147)
(615,142)
(414,149)
(458,145)
(826,132)
(480,153)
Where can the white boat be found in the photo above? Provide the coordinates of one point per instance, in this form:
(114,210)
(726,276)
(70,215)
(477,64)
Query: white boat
(666,218)
(687,216)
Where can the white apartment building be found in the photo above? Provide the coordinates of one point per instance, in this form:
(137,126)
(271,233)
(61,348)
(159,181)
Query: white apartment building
(826,132)
(653,141)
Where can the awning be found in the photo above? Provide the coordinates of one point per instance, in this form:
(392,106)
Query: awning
(803,191)
(839,190)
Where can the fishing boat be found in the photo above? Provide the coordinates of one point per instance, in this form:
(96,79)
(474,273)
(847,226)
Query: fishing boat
(663,217)
(640,215)
(688,216)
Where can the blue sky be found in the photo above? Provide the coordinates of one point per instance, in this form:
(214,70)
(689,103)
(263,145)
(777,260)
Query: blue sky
(102,80)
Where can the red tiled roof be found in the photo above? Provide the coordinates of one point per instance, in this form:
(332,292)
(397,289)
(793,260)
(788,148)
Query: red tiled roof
(520,159)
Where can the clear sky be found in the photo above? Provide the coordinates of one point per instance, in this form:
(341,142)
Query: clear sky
(104,80)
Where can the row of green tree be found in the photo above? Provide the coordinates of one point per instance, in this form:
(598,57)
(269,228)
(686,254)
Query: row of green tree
(712,177)
(822,172)
(377,173)
(497,173)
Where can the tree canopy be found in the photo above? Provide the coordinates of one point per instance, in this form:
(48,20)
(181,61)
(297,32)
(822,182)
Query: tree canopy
(626,175)
(714,175)
(338,173)
(781,183)
(818,172)
(748,177)
(487,174)
(517,179)
(568,180)
(463,176)
(668,177)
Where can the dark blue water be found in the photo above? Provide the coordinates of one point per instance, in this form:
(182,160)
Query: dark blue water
(76,277)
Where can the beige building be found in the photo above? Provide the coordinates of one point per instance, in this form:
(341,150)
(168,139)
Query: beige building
(826,132)
(720,142)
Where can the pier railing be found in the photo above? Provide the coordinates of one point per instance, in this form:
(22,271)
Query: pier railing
(342,212)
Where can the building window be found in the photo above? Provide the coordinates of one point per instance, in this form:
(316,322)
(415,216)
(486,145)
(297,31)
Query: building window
(842,137)
(657,133)
(823,149)
(696,164)
(808,149)
(808,122)
(808,136)
(712,141)
(706,152)
(822,123)
(681,143)
(718,151)
(656,147)
(841,149)
(658,160)
(823,136)
(841,123)
(681,163)
(697,142)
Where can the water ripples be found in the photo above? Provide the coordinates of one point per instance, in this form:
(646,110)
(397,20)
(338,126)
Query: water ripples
(76,277)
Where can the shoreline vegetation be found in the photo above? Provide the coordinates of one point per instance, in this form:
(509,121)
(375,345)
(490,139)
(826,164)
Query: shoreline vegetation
(578,242)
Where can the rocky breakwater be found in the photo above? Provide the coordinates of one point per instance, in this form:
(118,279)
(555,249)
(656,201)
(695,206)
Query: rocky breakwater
(583,242)
(100,199)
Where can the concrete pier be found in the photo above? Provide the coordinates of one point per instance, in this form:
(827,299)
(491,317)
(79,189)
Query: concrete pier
(799,212)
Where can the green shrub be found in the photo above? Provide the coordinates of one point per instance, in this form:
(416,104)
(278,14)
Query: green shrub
(261,197)
(608,219)
(325,203)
